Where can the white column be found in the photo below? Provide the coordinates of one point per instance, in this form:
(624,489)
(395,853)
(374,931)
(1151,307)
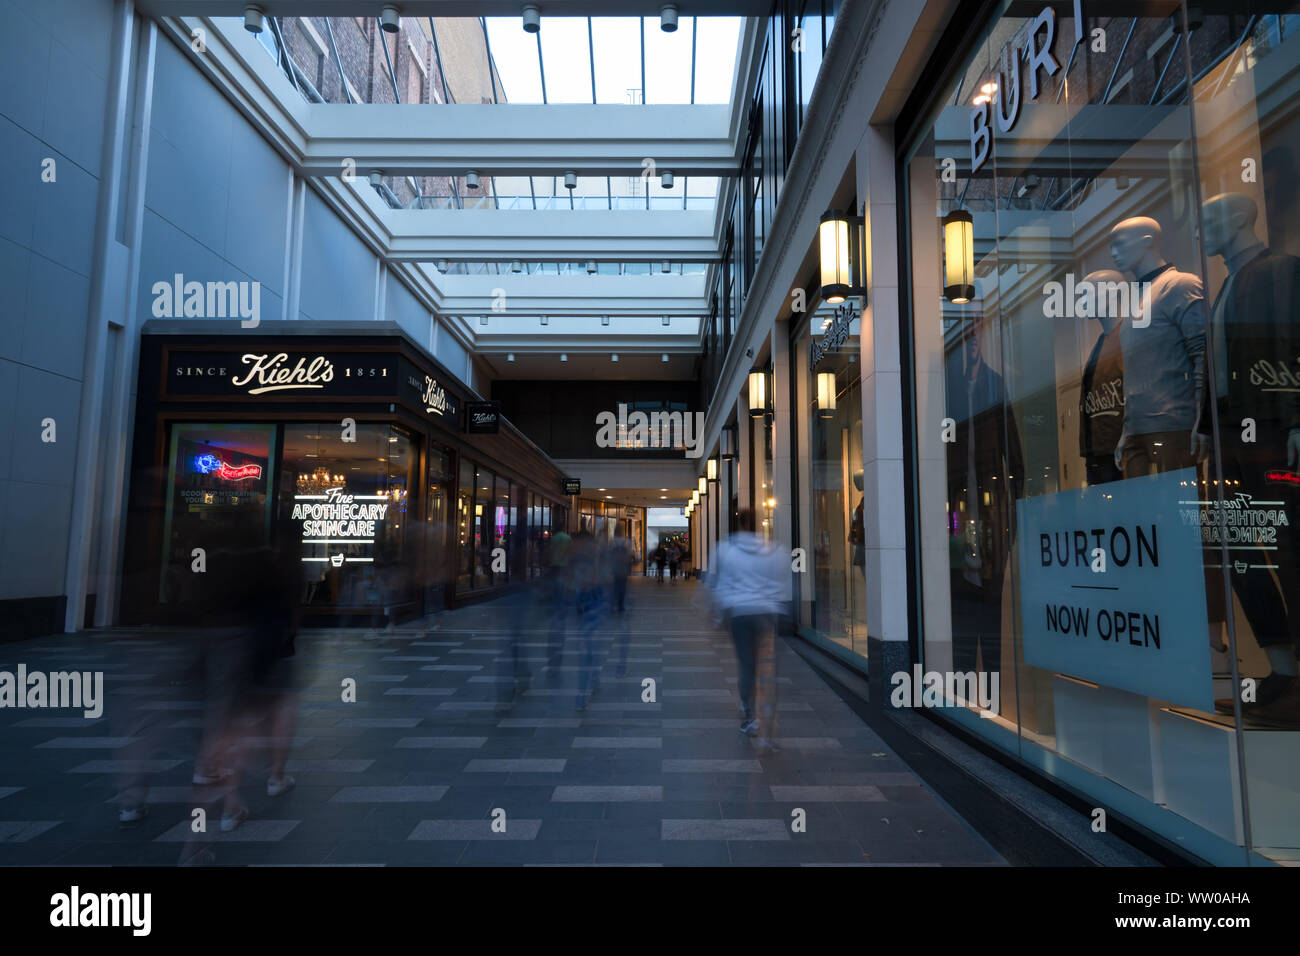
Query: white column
(882,399)
(105,306)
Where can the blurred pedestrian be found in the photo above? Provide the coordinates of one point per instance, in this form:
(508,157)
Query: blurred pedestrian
(750,588)
(589,585)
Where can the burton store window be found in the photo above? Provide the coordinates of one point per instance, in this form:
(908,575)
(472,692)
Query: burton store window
(347,502)
(1082,365)
(834,420)
(217,481)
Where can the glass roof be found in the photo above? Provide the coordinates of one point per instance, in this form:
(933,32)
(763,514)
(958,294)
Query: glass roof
(573,268)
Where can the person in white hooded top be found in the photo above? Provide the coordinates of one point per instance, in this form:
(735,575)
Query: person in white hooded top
(751,587)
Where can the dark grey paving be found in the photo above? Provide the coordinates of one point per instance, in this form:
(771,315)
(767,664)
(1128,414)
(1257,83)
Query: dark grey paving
(441,735)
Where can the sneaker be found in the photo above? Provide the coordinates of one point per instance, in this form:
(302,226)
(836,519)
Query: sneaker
(201,779)
(765,746)
(750,727)
(231,821)
(129,816)
(276,787)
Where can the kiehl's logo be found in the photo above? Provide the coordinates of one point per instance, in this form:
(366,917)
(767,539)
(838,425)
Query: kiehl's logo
(435,396)
(272,373)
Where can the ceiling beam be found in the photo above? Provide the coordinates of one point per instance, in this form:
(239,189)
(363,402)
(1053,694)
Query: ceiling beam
(451,8)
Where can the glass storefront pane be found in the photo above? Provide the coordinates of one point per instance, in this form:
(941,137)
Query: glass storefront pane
(1082,364)
(347,501)
(439,550)
(217,482)
(1247,145)
(838,555)
(466,528)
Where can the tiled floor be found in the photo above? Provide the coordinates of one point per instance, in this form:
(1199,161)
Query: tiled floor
(439,762)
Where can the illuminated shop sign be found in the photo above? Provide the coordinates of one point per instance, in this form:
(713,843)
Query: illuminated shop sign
(434,397)
(255,373)
(340,519)
(212,465)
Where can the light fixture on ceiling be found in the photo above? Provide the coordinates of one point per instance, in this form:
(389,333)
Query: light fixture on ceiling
(591,266)
(825,394)
(613,357)
(840,251)
(666,180)
(663,357)
(546,319)
(254,19)
(510,356)
(376,178)
(471,179)
(516,266)
(666,266)
(668,18)
(564,357)
(532,18)
(666,320)
(570,179)
(390,18)
(959,256)
(442,265)
(604,320)
(757,393)
(482,320)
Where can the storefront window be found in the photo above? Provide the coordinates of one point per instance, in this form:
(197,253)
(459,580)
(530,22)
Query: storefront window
(1082,365)
(466,528)
(439,549)
(217,481)
(347,500)
(834,419)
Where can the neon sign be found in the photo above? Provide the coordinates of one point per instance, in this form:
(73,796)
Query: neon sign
(1282,477)
(210,464)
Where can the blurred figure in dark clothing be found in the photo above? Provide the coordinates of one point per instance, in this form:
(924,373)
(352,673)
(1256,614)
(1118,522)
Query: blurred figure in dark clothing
(588,581)
(621,559)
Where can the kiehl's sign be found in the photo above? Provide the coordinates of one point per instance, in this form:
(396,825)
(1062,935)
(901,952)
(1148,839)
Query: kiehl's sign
(269,371)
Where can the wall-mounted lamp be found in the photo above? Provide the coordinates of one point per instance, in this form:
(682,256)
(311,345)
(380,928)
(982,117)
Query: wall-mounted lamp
(727,444)
(702,486)
(757,393)
(958,256)
(826,394)
(695,498)
(839,244)
(711,469)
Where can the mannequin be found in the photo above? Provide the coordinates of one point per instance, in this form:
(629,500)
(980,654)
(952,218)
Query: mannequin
(857,532)
(1254,346)
(1101,394)
(1164,361)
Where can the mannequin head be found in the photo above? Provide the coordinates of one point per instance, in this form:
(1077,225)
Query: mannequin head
(1229,223)
(1100,276)
(1135,245)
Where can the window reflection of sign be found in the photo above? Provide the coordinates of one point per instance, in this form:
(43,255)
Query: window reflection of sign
(835,335)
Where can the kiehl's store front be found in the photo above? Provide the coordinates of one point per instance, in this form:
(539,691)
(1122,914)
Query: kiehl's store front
(342,449)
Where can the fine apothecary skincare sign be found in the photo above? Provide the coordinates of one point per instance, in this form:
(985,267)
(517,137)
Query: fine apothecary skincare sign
(1112,588)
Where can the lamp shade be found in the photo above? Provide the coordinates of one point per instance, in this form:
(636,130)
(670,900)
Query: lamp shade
(826,394)
(757,393)
(695,498)
(727,444)
(703,486)
(712,472)
(835,256)
(958,256)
